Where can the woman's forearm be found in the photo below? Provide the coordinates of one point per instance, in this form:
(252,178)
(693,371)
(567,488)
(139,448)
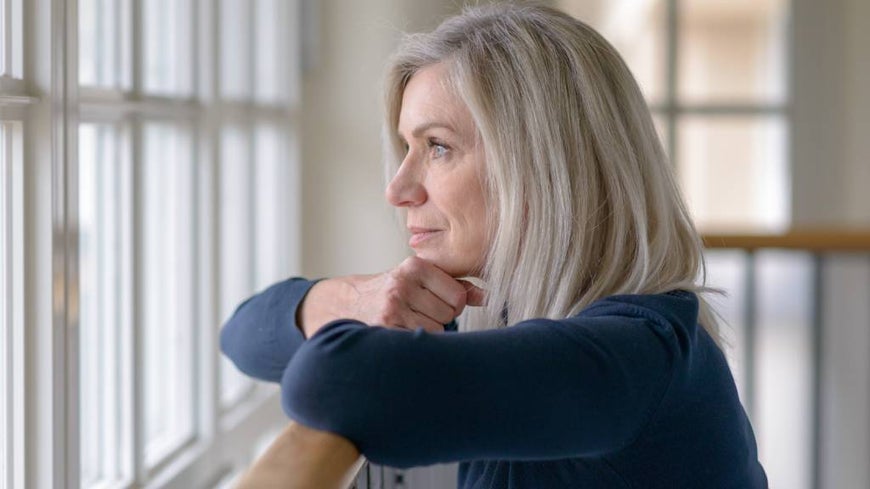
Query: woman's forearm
(262,334)
(327,301)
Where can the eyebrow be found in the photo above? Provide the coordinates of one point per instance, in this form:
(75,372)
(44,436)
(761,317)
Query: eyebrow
(429,125)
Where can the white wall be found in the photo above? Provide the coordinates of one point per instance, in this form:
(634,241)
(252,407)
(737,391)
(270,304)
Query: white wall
(858,110)
(831,117)
(347,225)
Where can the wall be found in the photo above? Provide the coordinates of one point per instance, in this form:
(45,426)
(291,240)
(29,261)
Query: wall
(857,114)
(831,113)
(347,225)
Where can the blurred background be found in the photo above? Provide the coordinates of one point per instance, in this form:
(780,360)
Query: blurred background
(162,160)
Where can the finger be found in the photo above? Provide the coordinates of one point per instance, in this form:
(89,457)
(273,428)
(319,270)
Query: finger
(395,326)
(424,302)
(417,320)
(447,288)
(474,295)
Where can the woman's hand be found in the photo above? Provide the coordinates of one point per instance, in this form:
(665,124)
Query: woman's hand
(414,294)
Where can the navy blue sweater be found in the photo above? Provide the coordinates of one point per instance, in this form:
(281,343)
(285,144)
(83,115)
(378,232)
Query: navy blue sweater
(630,393)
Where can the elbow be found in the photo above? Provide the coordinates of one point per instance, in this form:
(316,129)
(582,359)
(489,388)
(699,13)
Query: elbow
(324,378)
(240,345)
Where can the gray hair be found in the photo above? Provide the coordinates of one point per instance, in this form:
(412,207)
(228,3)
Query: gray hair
(583,196)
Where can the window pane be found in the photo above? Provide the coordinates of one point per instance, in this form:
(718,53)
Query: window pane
(168,303)
(732,51)
(782,418)
(726,270)
(105,326)
(100,42)
(168,46)
(277,52)
(236,243)
(733,171)
(3,35)
(5,327)
(277,211)
(236,53)
(637,30)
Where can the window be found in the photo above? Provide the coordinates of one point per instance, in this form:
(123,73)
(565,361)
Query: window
(185,156)
(12,331)
(4,326)
(167,277)
(105,333)
(11,305)
(713,73)
(11,53)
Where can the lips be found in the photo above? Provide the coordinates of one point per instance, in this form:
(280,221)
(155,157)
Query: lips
(420,235)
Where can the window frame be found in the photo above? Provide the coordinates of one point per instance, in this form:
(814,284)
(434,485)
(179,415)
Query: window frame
(47,104)
(11,165)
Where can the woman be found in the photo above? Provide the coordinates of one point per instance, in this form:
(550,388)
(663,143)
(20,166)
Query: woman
(522,154)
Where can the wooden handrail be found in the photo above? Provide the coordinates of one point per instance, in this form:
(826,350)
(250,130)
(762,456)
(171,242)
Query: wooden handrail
(815,240)
(304,458)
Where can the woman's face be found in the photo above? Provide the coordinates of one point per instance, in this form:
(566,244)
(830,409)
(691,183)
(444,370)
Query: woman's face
(440,180)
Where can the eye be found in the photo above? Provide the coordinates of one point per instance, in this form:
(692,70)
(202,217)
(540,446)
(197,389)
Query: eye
(437,149)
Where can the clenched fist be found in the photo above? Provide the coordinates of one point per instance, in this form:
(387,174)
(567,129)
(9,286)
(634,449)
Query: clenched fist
(415,294)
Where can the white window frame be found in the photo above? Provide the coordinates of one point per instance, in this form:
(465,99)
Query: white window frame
(13,287)
(47,104)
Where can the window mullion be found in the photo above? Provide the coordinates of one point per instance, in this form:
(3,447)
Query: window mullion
(136,420)
(214,128)
(251,125)
(7,55)
(671,96)
(65,249)
(14,157)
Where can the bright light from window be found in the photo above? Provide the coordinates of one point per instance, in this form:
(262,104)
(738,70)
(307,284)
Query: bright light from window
(732,51)
(236,243)
(104,326)
(168,288)
(271,42)
(734,171)
(168,46)
(235,60)
(103,42)
(276,212)
(4,314)
(3,37)
(636,28)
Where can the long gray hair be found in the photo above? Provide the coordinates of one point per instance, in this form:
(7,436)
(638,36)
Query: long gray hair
(583,197)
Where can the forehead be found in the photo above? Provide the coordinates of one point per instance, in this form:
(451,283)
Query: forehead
(428,98)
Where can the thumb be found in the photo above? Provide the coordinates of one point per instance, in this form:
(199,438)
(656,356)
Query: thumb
(474,295)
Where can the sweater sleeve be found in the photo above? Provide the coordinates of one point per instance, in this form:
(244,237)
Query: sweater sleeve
(541,389)
(262,335)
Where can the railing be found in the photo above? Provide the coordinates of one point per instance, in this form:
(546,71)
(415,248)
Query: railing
(812,251)
(302,458)
(306,458)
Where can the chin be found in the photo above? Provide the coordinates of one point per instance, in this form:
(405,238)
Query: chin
(453,267)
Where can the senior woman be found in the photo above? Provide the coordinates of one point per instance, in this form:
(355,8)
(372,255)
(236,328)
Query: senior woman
(524,158)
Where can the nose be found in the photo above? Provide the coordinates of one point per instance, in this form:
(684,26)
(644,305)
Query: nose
(406,188)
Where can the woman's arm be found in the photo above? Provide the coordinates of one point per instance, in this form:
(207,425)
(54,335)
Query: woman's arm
(541,389)
(266,330)
(262,335)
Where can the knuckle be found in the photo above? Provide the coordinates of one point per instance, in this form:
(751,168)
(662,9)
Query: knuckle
(413,264)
